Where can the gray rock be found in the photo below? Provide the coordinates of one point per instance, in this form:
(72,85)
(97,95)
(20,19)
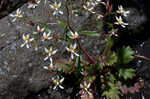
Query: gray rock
(21,69)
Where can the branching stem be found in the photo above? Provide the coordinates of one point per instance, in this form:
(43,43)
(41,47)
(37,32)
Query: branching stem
(90,58)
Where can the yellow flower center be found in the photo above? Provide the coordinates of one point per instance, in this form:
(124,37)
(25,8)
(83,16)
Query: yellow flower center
(26,39)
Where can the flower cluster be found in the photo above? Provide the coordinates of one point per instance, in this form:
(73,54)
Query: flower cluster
(89,6)
(84,66)
(122,11)
(119,19)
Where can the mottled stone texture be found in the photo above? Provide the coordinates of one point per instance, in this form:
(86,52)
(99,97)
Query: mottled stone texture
(21,69)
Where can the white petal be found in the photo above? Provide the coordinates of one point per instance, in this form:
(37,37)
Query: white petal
(60,12)
(72,56)
(22,45)
(27,36)
(81,86)
(116,23)
(42,29)
(38,27)
(55,87)
(54,52)
(48,34)
(117,18)
(59,4)
(31,39)
(125,23)
(62,80)
(123,26)
(46,50)
(45,67)
(76,54)
(51,60)
(12,15)
(67,48)
(61,87)
(44,34)
(14,20)
(89,85)
(46,58)
(75,45)
(54,13)
(27,45)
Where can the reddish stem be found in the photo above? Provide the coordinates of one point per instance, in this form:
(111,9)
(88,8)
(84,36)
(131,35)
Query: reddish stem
(142,57)
(90,58)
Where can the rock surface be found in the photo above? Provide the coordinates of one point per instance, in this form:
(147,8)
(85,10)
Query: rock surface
(21,69)
(7,6)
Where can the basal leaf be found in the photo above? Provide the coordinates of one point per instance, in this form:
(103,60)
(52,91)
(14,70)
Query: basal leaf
(125,55)
(64,65)
(112,58)
(127,73)
(112,93)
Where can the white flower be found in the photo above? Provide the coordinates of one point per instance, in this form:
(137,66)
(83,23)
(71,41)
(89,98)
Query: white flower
(32,5)
(91,4)
(74,35)
(86,86)
(120,22)
(18,14)
(39,30)
(50,52)
(72,49)
(56,8)
(89,7)
(113,32)
(122,11)
(27,40)
(58,82)
(46,36)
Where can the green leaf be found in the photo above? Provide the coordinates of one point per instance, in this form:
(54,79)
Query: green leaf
(61,23)
(112,78)
(89,33)
(125,55)
(127,73)
(112,58)
(112,93)
(100,25)
(78,65)
(109,24)
(100,66)
(64,65)
(48,30)
(109,44)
